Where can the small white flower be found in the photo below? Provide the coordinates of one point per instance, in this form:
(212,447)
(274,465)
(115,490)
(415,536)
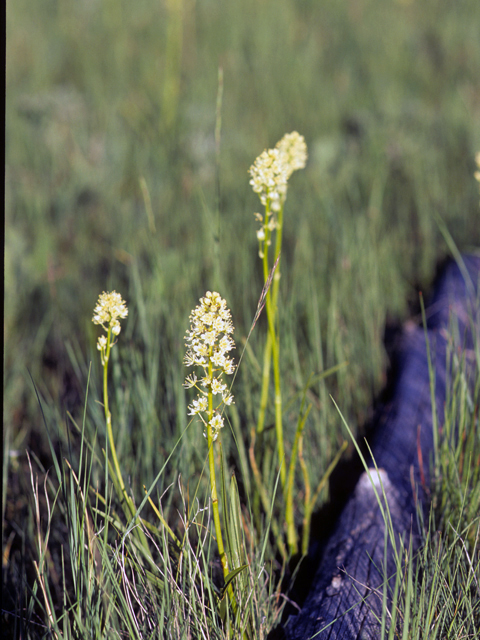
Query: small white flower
(199,405)
(115,327)
(216,422)
(206,381)
(189,359)
(227,398)
(209,337)
(217,386)
(201,349)
(190,381)
(229,367)
(219,325)
(218,359)
(226,344)
(208,318)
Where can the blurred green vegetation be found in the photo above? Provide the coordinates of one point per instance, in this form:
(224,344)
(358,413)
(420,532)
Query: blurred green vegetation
(104,93)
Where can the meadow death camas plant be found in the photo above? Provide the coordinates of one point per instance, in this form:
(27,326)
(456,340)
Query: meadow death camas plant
(208,341)
(269,178)
(109,310)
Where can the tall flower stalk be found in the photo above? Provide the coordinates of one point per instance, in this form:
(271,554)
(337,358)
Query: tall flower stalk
(269,178)
(208,342)
(110,309)
(108,312)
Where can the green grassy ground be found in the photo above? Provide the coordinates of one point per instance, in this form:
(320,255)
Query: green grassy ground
(104,96)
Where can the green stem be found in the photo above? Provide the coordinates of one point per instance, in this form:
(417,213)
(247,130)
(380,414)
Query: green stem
(108,419)
(267,359)
(213,479)
(272,312)
(267,353)
(278,248)
(272,346)
(125,500)
(215,509)
(213,489)
(278,402)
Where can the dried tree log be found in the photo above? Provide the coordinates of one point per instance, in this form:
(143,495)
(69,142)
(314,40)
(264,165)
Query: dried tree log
(346,597)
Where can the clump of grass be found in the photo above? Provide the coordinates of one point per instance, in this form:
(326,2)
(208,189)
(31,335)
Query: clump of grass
(437,591)
(440,596)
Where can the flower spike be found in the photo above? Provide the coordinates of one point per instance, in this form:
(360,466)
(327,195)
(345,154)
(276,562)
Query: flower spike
(208,341)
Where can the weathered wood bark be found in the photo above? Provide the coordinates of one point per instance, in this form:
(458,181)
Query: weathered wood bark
(346,598)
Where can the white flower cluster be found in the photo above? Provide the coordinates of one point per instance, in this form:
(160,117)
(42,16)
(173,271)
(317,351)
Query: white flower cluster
(271,170)
(110,307)
(208,341)
(294,150)
(269,177)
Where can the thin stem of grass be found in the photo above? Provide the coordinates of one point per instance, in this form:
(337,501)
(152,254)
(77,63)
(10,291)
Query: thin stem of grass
(431,379)
(309,504)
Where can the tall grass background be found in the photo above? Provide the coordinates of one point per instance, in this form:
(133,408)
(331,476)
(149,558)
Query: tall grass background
(115,180)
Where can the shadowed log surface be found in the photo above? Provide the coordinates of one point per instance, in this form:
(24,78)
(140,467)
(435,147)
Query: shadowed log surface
(346,598)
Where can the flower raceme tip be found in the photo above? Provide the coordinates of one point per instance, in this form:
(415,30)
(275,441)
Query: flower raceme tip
(110,307)
(269,177)
(273,167)
(294,151)
(108,312)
